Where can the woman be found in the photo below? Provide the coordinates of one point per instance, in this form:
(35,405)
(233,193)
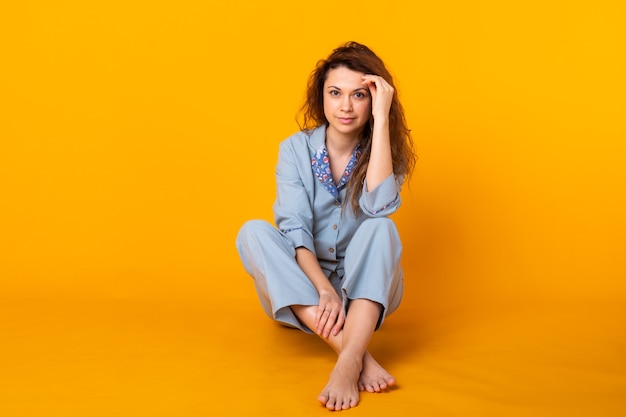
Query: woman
(332,263)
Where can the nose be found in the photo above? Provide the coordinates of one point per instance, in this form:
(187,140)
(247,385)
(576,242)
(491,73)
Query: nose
(346,103)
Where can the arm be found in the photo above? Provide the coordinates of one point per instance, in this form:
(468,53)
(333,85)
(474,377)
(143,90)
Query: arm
(293,213)
(381,191)
(380,165)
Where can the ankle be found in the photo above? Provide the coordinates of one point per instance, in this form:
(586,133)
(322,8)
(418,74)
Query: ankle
(351,357)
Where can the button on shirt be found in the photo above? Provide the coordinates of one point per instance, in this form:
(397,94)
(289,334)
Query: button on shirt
(309,212)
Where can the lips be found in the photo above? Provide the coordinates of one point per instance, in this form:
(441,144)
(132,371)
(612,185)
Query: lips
(345,120)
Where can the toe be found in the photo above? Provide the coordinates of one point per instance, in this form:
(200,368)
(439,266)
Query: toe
(332,403)
(354,402)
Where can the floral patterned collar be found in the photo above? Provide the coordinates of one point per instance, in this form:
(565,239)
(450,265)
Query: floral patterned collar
(321,166)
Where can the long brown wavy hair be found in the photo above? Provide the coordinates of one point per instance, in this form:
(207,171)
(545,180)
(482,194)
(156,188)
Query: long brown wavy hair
(360,58)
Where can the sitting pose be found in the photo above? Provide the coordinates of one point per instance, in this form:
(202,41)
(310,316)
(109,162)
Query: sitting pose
(331,265)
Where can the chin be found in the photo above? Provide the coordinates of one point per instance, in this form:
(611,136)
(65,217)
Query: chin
(349,129)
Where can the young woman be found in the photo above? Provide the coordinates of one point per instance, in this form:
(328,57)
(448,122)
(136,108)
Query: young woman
(332,263)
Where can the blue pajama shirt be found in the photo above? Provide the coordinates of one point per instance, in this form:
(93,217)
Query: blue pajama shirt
(360,255)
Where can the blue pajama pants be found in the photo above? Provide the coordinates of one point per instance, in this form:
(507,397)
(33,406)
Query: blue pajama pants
(371,269)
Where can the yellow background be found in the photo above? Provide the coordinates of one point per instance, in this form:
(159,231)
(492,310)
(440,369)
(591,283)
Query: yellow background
(136,137)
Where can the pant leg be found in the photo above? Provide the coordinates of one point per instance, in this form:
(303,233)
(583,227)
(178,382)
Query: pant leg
(270,258)
(372,265)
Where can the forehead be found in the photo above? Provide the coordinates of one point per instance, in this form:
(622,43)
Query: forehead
(343,77)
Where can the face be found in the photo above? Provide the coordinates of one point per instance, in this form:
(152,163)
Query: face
(347,103)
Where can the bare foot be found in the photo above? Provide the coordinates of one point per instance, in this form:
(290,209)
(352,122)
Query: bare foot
(373,377)
(341,391)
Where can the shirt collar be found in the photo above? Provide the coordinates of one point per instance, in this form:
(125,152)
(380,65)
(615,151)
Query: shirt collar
(318,138)
(321,168)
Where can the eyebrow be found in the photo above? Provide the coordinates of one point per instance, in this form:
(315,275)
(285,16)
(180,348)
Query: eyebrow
(357,89)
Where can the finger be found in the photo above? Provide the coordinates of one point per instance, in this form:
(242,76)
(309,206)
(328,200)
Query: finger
(371,86)
(318,315)
(370,83)
(368,80)
(377,82)
(374,79)
(329,325)
(339,324)
(323,320)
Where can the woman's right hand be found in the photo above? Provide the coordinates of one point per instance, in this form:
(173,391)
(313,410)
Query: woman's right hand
(330,315)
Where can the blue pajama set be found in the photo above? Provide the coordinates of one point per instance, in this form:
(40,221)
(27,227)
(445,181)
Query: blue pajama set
(360,255)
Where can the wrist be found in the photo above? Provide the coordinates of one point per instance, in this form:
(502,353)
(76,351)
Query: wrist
(381,120)
(326,291)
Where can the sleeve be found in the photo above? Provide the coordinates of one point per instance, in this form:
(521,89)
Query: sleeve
(293,213)
(383,200)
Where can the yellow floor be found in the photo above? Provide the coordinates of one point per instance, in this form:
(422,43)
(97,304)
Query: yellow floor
(72,356)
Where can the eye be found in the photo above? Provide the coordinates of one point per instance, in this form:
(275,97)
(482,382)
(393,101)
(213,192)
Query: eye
(334,93)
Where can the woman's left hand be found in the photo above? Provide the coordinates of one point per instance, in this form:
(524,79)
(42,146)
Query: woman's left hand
(382,95)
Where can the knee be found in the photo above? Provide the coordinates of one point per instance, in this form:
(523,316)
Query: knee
(379,225)
(252,230)
(378,230)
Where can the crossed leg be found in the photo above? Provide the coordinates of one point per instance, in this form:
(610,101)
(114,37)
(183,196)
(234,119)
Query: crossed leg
(356,369)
